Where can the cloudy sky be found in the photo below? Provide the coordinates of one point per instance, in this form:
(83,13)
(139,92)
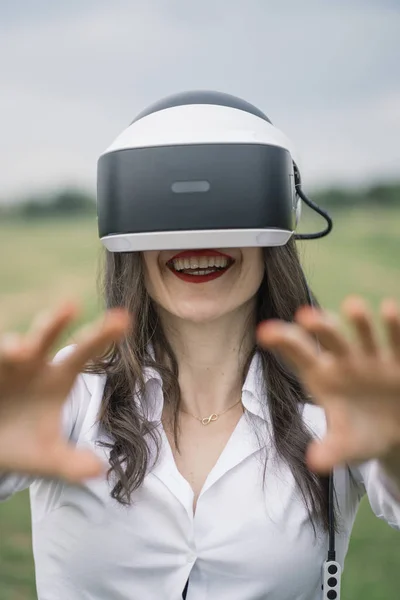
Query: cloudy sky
(74,74)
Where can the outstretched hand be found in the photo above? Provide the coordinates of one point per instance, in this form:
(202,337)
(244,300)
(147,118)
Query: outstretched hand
(356,383)
(33,391)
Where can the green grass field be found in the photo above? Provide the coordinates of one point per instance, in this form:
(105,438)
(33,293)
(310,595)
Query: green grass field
(42,264)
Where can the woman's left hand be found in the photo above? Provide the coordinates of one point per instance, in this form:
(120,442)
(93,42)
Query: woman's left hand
(357,384)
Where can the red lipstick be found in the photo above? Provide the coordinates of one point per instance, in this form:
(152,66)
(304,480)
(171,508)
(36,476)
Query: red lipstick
(199,278)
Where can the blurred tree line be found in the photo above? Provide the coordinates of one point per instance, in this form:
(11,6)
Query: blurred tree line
(75,202)
(63,203)
(385,194)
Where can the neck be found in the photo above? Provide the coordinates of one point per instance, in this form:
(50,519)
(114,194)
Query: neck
(211,357)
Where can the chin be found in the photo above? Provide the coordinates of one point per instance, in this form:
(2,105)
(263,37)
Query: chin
(199,312)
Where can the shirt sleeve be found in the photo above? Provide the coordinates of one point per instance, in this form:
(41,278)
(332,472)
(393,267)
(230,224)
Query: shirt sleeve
(11,483)
(383,493)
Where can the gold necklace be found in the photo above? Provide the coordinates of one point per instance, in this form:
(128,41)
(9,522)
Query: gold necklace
(213,416)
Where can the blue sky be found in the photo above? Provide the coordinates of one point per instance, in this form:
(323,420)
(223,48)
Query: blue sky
(73,75)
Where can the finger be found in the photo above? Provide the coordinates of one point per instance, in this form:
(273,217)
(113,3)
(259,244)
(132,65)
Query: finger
(391,317)
(294,344)
(13,350)
(323,456)
(76,465)
(94,341)
(48,326)
(326,327)
(356,310)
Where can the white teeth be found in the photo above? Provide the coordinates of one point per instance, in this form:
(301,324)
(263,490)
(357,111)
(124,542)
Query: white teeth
(203,262)
(200,264)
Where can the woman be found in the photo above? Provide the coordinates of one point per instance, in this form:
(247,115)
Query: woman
(189,450)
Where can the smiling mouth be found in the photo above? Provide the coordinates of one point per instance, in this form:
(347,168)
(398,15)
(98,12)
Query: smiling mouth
(200,266)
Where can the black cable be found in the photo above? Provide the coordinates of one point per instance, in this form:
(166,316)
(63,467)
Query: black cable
(320,211)
(331,517)
(313,206)
(331,512)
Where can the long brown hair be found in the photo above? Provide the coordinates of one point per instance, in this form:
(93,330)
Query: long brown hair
(282,291)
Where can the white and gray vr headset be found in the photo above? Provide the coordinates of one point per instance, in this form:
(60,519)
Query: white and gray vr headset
(200,170)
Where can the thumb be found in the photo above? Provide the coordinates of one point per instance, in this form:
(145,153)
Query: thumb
(323,456)
(76,465)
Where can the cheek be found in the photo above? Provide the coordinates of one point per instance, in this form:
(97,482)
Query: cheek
(158,282)
(253,269)
(152,275)
(252,281)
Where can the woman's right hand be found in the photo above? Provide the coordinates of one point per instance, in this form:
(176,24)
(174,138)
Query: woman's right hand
(33,391)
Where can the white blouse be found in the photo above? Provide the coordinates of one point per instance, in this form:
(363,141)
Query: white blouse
(246,541)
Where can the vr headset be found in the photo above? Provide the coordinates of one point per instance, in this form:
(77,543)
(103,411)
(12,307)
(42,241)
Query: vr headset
(199,170)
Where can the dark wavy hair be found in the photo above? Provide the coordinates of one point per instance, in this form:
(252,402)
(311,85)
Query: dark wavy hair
(282,291)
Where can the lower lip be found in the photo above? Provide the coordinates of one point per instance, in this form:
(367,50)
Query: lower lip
(199,278)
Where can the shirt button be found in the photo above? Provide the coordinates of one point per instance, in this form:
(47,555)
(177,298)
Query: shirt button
(191,557)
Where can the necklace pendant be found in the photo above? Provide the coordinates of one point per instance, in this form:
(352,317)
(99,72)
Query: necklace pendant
(207,420)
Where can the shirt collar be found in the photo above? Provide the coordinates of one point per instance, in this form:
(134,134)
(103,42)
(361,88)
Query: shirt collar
(254,393)
(254,390)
